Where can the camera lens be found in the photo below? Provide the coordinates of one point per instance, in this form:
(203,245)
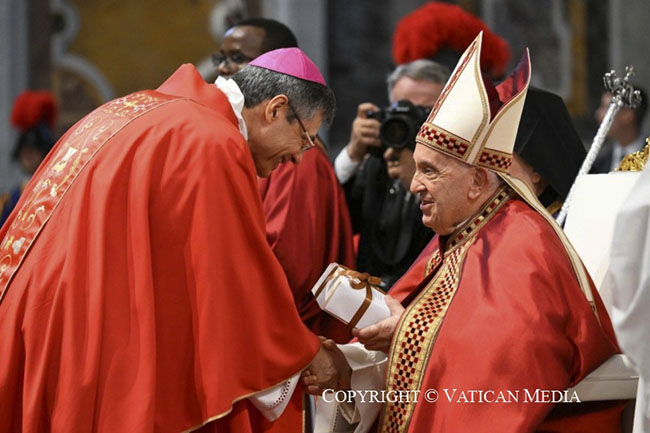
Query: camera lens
(396,132)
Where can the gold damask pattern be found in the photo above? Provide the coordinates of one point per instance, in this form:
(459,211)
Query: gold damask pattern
(418,328)
(636,161)
(53,182)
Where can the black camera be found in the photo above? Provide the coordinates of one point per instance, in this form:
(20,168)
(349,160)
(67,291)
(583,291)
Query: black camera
(399,125)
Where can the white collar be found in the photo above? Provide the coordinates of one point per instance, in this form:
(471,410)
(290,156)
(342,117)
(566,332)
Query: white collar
(236,99)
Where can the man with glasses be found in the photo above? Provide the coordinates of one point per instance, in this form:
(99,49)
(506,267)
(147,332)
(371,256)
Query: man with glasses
(137,288)
(248,39)
(307,220)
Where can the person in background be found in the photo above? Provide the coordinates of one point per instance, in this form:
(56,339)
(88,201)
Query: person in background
(384,212)
(34,115)
(548,151)
(307,219)
(625,133)
(248,39)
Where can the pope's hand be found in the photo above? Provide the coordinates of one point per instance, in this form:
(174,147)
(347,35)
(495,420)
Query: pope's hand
(380,335)
(328,370)
(365,132)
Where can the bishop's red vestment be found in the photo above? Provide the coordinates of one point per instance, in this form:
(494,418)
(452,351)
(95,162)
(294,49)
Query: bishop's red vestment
(138,289)
(308,226)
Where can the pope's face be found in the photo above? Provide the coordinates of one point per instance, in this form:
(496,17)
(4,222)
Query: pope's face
(280,141)
(241,44)
(442,184)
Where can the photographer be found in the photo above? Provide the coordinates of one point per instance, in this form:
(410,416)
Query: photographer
(376,168)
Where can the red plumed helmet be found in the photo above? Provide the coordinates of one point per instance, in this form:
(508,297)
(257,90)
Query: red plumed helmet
(33,107)
(438,26)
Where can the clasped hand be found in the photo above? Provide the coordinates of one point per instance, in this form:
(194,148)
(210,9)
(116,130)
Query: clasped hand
(330,369)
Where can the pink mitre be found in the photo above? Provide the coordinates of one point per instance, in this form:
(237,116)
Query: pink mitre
(290,61)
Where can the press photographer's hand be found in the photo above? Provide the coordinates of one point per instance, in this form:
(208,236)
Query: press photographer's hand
(365,132)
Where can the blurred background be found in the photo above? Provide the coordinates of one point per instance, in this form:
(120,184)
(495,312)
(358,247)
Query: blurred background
(90,51)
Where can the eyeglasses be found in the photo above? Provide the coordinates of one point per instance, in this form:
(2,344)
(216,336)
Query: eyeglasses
(236,58)
(310,140)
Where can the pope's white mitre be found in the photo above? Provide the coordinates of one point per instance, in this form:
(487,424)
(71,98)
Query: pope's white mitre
(461,123)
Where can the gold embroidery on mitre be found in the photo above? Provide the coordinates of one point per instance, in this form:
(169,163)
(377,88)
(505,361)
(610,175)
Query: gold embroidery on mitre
(439,139)
(495,160)
(478,79)
(418,327)
(461,122)
(436,137)
(452,81)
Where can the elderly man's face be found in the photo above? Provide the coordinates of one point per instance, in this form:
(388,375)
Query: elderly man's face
(241,44)
(442,184)
(399,162)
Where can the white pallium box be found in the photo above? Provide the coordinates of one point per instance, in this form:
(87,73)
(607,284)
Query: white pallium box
(350,296)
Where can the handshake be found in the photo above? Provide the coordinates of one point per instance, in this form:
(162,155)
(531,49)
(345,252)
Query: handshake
(330,369)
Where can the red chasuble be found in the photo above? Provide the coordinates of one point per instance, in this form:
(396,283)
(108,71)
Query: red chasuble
(500,312)
(139,293)
(308,226)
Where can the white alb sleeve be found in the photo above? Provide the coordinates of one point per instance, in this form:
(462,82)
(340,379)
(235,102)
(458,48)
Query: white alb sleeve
(272,402)
(344,166)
